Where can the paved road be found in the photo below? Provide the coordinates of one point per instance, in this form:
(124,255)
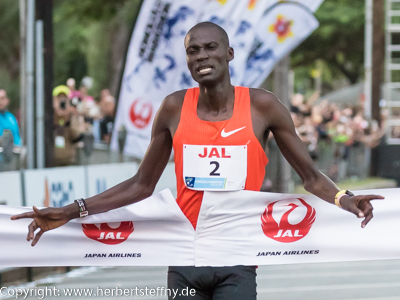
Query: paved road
(355,280)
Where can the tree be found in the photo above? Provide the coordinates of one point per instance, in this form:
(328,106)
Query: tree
(339,40)
(90,39)
(9,50)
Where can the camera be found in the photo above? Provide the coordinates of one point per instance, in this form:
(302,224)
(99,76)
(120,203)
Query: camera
(75,101)
(63,105)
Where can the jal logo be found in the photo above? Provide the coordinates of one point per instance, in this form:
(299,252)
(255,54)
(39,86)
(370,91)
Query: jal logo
(294,224)
(108,234)
(214,152)
(140,113)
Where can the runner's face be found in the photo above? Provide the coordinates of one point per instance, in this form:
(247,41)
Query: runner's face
(207,55)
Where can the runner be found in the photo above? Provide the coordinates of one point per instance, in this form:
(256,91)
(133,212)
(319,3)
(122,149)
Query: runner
(214,114)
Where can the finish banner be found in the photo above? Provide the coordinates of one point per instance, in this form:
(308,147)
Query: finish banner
(234,228)
(255,228)
(152,232)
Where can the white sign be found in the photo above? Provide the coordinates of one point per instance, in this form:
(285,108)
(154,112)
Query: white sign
(103,177)
(10,188)
(207,168)
(54,187)
(167,180)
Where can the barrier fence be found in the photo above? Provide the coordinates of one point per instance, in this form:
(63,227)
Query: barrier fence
(56,187)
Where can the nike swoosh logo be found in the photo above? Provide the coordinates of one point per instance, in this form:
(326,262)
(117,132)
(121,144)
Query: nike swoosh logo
(226,134)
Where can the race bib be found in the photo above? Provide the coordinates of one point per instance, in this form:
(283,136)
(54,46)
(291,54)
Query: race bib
(214,168)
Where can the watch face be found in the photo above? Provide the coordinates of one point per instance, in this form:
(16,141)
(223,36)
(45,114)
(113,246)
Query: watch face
(349,193)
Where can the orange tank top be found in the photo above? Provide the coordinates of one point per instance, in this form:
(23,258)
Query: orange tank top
(194,131)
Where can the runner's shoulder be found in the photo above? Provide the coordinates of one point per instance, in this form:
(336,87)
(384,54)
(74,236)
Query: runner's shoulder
(174,100)
(263,100)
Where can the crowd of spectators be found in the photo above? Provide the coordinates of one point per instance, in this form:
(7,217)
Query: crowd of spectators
(76,114)
(336,137)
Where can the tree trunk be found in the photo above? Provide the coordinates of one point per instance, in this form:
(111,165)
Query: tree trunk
(44,11)
(119,39)
(378,57)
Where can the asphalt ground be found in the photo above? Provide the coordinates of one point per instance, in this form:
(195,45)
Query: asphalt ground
(370,280)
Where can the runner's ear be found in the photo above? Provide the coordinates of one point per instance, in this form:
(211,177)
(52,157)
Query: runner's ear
(231,54)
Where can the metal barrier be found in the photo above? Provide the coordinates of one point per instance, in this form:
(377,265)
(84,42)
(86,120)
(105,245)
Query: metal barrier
(336,160)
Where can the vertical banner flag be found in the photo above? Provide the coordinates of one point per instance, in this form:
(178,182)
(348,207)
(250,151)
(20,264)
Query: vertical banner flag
(261,33)
(280,30)
(311,4)
(155,67)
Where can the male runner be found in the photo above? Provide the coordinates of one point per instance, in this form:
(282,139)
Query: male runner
(215,113)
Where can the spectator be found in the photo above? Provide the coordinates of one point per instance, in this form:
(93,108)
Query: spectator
(97,129)
(68,127)
(88,107)
(74,94)
(104,93)
(7,119)
(107,106)
(296,104)
(335,138)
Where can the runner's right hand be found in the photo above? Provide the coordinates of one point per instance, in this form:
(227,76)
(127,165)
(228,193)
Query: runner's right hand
(44,219)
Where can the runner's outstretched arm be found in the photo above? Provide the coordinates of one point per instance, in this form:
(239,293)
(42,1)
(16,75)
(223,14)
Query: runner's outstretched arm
(137,188)
(280,123)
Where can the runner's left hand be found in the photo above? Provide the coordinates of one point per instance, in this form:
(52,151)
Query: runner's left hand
(360,205)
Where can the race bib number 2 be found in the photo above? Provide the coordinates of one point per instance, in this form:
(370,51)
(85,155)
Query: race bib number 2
(214,168)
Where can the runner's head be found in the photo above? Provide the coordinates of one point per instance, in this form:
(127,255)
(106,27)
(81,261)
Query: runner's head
(208,53)
(3,100)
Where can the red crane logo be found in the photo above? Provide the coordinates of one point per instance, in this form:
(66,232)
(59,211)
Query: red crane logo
(285,232)
(108,235)
(140,113)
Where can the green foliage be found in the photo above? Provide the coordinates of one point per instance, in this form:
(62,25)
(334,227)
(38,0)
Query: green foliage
(70,43)
(12,88)
(85,33)
(338,42)
(83,30)
(9,51)
(91,10)
(9,33)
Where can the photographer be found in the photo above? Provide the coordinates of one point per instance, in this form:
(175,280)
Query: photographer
(68,127)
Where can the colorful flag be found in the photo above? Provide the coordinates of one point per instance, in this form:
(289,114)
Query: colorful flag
(280,30)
